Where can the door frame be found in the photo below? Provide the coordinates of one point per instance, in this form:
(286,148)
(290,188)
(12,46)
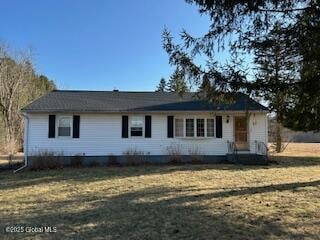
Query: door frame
(242,146)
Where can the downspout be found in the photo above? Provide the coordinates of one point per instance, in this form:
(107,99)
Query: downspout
(266,131)
(25,148)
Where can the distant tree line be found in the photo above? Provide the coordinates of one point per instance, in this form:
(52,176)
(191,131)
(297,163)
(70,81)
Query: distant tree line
(19,85)
(289,136)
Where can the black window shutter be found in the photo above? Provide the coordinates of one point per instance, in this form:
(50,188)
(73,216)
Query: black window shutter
(170,126)
(218,126)
(147,123)
(52,126)
(76,126)
(125,127)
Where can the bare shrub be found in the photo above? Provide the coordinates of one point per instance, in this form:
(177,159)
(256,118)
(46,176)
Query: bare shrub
(10,159)
(77,160)
(175,153)
(46,160)
(195,154)
(2,147)
(134,157)
(113,161)
(11,147)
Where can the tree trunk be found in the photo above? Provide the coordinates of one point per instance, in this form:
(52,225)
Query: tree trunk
(10,133)
(278,137)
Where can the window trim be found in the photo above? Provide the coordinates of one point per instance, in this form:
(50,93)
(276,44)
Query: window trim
(143,126)
(204,127)
(194,126)
(57,126)
(214,127)
(183,128)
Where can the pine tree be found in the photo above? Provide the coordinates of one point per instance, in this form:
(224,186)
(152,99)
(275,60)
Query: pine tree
(162,85)
(304,113)
(277,70)
(177,84)
(234,26)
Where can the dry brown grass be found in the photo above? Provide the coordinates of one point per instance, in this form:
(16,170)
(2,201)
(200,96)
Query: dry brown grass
(300,150)
(166,202)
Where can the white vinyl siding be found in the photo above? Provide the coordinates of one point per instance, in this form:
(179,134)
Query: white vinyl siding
(257,130)
(100,135)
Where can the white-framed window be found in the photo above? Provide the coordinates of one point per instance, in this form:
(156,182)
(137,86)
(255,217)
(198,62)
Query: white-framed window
(189,127)
(178,127)
(136,126)
(64,126)
(210,127)
(200,127)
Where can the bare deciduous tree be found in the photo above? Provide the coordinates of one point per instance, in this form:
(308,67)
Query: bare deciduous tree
(15,73)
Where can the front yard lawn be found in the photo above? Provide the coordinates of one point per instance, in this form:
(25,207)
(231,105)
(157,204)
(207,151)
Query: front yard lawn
(166,202)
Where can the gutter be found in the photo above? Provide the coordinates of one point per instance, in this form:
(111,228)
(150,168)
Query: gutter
(25,145)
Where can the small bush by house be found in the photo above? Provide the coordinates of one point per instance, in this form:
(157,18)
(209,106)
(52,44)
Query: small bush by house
(175,153)
(94,163)
(46,160)
(77,160)
(195,154)
(113,161)
(134,157)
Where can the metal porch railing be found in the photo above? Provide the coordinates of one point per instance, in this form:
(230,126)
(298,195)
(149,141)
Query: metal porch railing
(232,149)
(261,149)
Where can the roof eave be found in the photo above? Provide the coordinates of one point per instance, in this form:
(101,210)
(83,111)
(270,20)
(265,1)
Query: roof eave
(137,111)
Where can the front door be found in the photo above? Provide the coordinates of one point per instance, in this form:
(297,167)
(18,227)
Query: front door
(241,133)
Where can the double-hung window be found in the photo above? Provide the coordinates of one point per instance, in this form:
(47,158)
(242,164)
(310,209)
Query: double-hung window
(178,127)
(136,126)
(200,127)
(210,127)
(64,126)
(189,127)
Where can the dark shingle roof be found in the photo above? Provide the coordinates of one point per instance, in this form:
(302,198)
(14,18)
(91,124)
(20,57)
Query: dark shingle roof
(112,101)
